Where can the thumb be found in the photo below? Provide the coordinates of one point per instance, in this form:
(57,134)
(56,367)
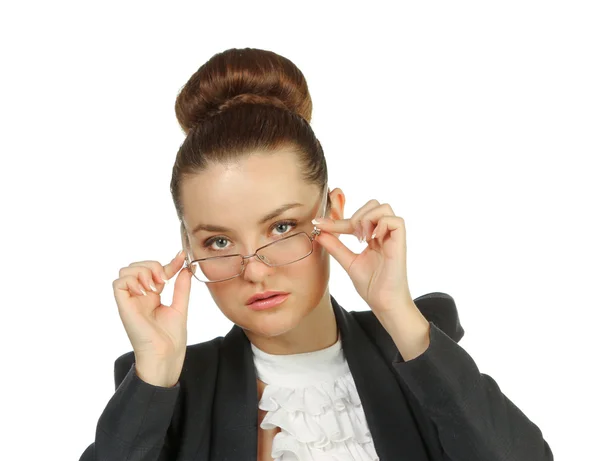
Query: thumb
(181,291)
(334,246)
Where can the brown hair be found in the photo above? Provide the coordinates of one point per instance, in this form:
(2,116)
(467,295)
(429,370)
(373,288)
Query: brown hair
(242,101)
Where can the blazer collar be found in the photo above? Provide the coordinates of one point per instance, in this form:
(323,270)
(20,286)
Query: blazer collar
(234,428)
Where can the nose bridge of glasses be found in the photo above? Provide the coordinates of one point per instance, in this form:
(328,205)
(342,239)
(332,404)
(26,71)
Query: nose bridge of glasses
(259,257)
(257,254)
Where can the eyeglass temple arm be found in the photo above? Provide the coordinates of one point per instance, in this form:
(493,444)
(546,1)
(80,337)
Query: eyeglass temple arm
(322,210)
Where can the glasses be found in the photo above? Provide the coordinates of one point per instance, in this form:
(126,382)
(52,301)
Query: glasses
(282,252)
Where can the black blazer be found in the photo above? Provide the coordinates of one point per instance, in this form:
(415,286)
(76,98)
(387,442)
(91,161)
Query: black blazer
(436,407)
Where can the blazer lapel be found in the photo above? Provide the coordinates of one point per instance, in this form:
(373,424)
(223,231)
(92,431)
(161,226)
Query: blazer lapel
(234,431)
(394,430)
(235,407)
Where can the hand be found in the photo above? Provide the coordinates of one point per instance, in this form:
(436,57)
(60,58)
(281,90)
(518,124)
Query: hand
(379,272)
(158,333)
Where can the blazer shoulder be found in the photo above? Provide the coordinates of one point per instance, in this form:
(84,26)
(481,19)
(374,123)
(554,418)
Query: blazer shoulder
(200,353)
(436,307)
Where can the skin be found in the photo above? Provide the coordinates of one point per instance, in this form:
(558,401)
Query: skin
(236,196)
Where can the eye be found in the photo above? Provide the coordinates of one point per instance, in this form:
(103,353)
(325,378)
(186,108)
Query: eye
(209,242)
(290,224)
(222,241)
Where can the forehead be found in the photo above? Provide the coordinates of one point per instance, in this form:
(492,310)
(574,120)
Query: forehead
(242,192)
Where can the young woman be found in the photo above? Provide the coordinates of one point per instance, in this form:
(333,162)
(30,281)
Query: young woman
(298,377)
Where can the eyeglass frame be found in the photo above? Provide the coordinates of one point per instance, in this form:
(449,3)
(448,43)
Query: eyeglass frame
(314,233)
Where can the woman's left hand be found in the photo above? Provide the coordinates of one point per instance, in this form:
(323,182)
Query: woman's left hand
(379,272)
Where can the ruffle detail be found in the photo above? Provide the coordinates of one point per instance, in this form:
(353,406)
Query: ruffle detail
(322,422)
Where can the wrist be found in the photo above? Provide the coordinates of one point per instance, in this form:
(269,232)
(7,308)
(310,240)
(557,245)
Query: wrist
(156,374)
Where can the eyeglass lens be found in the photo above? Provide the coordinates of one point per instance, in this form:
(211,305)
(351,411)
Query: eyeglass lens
(282,252)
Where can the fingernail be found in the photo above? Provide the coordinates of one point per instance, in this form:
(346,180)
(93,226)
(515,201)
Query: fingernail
(152,286)
(142,290)
(316,221)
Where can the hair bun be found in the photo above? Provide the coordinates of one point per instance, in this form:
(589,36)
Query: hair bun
(250,98)
(242,76)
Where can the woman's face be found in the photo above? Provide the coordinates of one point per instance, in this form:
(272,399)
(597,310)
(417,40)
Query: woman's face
(236,197)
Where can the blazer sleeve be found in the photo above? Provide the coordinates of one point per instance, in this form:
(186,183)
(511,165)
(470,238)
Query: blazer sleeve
(134,423)
(473,418)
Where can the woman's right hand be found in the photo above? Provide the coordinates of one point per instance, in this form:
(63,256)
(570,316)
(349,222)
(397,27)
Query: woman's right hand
(158,333)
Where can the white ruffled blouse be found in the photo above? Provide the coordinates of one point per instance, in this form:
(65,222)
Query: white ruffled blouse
(313,399)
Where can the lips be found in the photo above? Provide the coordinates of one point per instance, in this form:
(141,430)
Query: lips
(264,295)
(268,303)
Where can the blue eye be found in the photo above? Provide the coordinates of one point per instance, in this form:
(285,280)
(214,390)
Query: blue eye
(218,239)
(291,224)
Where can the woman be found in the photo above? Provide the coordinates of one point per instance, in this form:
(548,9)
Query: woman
(297,377)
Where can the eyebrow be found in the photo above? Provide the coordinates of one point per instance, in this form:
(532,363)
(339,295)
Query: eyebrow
(268,217)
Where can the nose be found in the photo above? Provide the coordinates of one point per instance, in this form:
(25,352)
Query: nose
(255,270)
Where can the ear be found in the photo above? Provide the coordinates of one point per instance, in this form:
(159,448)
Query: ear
(338,200)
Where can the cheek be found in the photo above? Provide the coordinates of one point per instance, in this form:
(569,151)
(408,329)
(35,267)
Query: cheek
(311,264)
(310,272)
(220,290)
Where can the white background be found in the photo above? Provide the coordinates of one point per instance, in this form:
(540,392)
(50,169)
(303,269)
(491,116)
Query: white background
(478,123)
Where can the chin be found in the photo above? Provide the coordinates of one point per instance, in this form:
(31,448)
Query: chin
(271,331)
(274,321)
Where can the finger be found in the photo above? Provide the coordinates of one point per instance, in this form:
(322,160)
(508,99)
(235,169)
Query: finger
(347,226)
(390,223)
(145,274)
(162,274)
(152,273)
(370,219)
(357,219)
(363,209)
(334,246)
(175,264)
(391,227)
(126,288)
(156,268)
(181,292)
(159,271)
(342,226)
(337,226)
(380,232)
